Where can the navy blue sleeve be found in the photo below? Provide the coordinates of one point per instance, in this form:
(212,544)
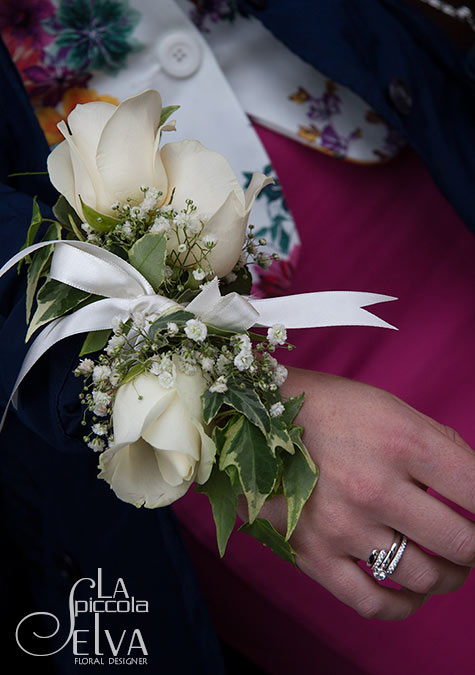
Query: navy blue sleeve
(379,48)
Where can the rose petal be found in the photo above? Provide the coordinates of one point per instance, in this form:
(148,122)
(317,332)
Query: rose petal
(125,154)
(130,414)
(87,122)
(172,430)
(189,388)
(208,453)
(60,169)
(229,225)
(175,467)
(133,473)
(197,173)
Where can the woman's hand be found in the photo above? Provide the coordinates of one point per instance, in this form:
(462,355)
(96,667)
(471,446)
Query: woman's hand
(377,456)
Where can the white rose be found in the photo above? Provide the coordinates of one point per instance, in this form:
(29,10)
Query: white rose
(160,446)
(109,152)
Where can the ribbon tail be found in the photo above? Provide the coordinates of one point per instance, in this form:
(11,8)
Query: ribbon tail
(321,309)
(96,316)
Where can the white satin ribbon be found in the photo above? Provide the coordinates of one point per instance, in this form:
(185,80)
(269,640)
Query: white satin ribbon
(125,290)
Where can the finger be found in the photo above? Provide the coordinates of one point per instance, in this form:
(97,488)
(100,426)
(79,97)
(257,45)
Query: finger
(433,525)
(445,463)
(417,571)
(353,586)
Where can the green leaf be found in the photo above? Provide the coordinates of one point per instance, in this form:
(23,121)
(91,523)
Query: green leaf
(223,496)
(95,341)
(247,402)
(166,112)
(98,221)
(262,530)
(279,436)
(241,285)
(212,402)
(246,448)
(148,255)
(54,300)
(292,408)
(133,373)
(180,317)
(298,480)
(296,436)
(36,220)
(38,265)
(64,213)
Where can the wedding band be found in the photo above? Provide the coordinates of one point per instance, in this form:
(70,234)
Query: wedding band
(382,562)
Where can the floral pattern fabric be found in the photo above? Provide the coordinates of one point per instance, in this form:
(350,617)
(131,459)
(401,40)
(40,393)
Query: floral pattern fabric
(57,47)
(295,100)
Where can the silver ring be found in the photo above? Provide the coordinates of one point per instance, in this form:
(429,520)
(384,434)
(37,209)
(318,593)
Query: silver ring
(383,563)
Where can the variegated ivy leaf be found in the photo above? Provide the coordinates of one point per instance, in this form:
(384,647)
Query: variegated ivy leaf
(247,402)
(299,478)
(63,212)
(223,496)
(148,256)
(54,300)
(212,402)
(246,448)
(262,530)
(279,436)
(292,408)
(36,220)
(180,317)
(39,265)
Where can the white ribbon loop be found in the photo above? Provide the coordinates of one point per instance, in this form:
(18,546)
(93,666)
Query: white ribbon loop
(95,270)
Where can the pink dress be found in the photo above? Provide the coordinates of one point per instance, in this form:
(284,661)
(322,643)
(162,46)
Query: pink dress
(385,229)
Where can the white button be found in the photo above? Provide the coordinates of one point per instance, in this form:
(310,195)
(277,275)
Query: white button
(180,54)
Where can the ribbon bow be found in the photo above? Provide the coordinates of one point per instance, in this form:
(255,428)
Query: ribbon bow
(125,291)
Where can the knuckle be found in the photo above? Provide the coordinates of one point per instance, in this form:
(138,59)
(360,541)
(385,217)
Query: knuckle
(426,580)
(462,545)
(369,607)
(367,492)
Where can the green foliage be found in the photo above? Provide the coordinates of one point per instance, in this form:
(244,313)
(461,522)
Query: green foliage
(223,496)
(36,220)
(262,530)
(241,285)
(98,221)
(134,372)
(292,408)
(212,402)
(180,317)
(247,402)
(54,300)
(38,266)
(167,111)
(95,341)
(148,256)
(246,449)
(63,212)
(279,436)
(300,476)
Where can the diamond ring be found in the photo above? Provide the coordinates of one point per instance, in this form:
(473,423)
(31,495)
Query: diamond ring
(383,563)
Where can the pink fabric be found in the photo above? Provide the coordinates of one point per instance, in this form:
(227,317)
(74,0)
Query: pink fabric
(385,229)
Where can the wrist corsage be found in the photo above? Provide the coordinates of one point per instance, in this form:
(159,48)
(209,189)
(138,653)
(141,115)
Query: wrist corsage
(150,255)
